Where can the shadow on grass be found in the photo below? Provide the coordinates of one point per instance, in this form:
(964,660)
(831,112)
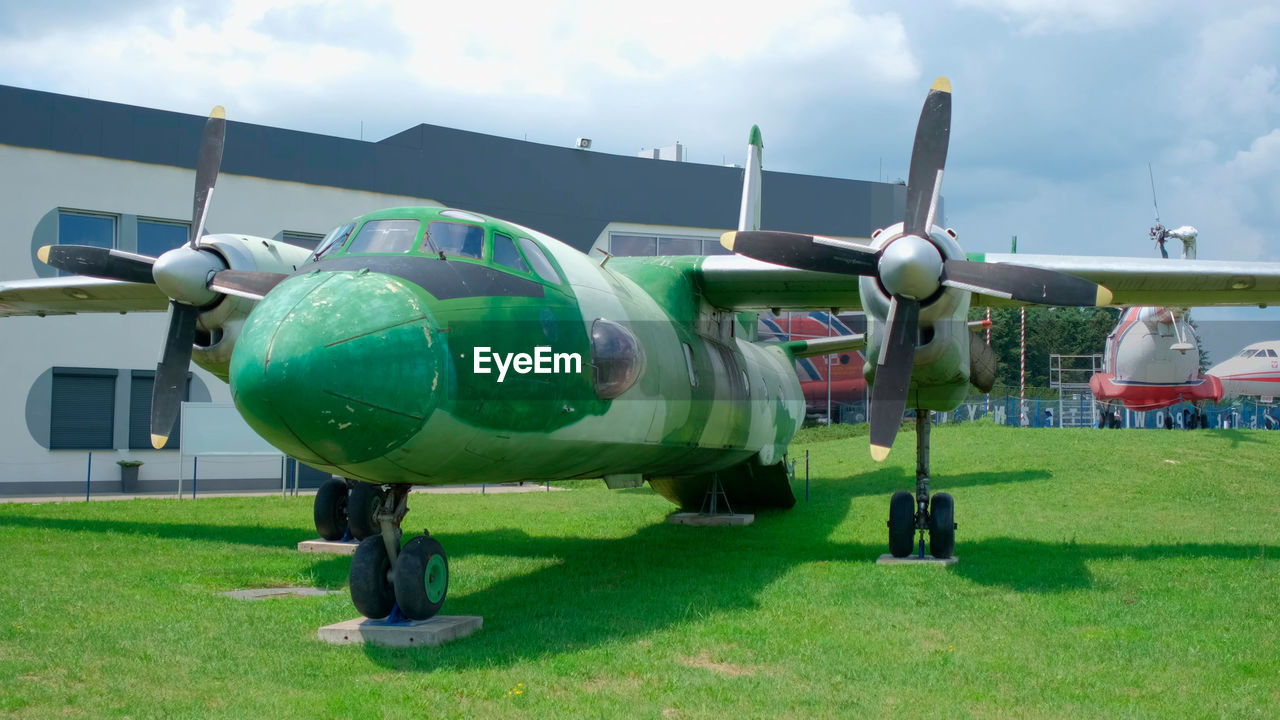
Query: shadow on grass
(1033,566)
(234,534)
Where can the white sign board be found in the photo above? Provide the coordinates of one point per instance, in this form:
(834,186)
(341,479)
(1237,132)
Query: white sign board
(218,429)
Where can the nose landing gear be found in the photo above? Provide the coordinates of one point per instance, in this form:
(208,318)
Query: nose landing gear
(395,582)
(932,516)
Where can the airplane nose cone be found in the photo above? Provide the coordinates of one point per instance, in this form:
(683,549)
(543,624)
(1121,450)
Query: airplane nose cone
(338,368)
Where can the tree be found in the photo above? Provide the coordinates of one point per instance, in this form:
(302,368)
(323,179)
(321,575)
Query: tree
(1050,330)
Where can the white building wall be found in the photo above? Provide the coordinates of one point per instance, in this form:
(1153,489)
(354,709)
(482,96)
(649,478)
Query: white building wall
(38,182)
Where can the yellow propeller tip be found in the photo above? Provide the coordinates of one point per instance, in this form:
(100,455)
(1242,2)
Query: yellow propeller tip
(159,441)
(728,238)
(879,453)
(1104,296)
(43,254)
(942,85)
(219,112)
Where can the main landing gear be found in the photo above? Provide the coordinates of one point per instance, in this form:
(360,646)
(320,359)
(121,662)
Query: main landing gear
(922,514)
(386,580)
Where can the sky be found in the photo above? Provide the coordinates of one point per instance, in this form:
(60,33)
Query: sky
(1058,107)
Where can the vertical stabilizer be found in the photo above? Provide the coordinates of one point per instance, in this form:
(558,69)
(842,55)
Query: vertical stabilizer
(749,215)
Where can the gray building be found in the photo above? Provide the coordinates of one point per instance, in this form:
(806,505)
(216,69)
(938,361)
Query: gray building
(91,172)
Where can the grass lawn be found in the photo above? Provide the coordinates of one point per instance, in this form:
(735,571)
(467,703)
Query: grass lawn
(1102,574)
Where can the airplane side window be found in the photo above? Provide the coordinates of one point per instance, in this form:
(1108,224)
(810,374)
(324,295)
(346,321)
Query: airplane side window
(505,253)
(385,236)
(455,239)
(333,240)
(541,265)
(1271,353)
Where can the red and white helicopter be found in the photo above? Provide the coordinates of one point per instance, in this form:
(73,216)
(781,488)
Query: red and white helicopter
(1152,360)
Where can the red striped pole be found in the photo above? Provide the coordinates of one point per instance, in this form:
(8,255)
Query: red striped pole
(988,345)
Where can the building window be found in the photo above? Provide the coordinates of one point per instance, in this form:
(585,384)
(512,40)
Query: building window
(304,240)
(679,246)
(157,237)
(82,413)
(643,245)
(140,387)
(81,228)
(632,245)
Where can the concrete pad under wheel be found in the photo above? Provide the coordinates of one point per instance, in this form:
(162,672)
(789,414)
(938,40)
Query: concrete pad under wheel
(336,547)
(705,520)
(887,559)
(417,633)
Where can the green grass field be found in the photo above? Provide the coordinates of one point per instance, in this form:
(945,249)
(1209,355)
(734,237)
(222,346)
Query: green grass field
(1101,574)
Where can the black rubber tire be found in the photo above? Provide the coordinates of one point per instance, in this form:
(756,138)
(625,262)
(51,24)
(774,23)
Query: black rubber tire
(371,591)
(942,525)
(421,578)
(361,506)
(902,523)
(331,509)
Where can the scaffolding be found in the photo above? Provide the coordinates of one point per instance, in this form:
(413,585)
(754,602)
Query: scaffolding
(1069,375)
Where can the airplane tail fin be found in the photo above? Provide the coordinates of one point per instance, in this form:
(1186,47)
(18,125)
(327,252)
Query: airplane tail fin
(749,215)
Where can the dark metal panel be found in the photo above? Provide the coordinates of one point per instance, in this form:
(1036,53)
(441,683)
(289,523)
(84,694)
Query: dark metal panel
(566,192)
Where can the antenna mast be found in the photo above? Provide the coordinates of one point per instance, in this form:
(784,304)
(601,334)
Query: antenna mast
(1154,204)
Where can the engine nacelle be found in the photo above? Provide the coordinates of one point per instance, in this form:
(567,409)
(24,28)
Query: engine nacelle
(942,360)
(219,324)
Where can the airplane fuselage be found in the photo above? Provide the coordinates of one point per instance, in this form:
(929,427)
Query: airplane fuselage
(415,358)
(1253,372)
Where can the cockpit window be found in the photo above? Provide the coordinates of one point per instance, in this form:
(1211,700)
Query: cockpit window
(539,261)
(385,236)
(1271,353)
(333,240)
(454,239)
(505,253)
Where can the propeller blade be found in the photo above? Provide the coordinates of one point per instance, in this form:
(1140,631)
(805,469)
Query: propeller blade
(893,374)
(98,262)
(245,283)
(210,158)
(806,252)
(171,373)
(1023,283)
(928,157)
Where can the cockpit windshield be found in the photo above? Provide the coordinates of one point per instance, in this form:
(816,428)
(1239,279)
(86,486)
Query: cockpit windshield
(385,236)
(453,238)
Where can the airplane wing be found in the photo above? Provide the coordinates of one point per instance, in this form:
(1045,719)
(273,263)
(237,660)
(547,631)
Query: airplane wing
(1144,281)
(736,282)
(69,295)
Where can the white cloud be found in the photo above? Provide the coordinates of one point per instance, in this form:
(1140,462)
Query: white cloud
(1048,16)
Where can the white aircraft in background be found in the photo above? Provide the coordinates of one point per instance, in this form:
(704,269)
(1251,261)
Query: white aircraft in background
(1253,372)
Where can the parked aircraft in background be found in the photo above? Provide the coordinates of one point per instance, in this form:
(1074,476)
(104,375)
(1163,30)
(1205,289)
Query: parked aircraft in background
(364,358)
(1152,358)
(1253,372)
(827,382)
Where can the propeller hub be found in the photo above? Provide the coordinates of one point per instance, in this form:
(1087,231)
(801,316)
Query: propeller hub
(910,267)
(184,273)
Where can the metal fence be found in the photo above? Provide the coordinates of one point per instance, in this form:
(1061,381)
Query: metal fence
(1049,409)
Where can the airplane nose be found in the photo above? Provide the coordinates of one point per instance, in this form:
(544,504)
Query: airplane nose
(338,368)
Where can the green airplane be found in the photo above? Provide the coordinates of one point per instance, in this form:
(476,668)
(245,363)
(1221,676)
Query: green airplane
(429,345)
